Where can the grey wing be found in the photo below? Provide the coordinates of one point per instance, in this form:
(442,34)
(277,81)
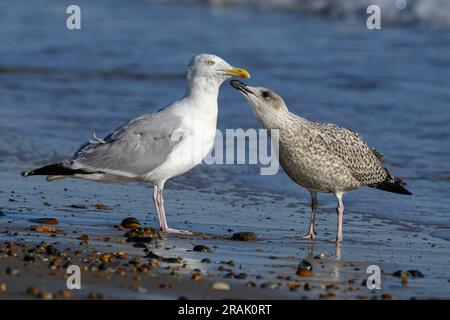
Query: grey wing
(363,161)
(135,148)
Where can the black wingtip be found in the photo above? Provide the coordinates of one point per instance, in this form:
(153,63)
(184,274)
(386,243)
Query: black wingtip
(396,185)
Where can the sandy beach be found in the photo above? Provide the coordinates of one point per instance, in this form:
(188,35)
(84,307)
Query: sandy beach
(59,86)
(168,268)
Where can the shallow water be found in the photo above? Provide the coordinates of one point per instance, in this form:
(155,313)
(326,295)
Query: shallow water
(392,86)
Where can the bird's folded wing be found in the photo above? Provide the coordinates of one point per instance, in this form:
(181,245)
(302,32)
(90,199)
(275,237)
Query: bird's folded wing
(135,148)
(362,161)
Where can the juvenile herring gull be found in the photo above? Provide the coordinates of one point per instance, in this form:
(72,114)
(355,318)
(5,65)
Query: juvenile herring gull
(320,157)
(156,146)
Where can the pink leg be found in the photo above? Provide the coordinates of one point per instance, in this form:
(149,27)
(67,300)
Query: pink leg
(163,222)
(340,213)
(155,202)
(312,232)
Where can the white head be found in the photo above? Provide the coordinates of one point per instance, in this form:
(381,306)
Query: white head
(266,104)
(208,70)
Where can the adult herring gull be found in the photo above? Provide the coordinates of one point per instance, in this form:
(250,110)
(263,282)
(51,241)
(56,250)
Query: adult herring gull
(157,146)
(320,157)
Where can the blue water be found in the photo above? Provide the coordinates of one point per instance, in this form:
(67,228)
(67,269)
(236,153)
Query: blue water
(392,86)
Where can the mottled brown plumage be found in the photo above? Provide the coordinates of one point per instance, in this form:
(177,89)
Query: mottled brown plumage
(320,157)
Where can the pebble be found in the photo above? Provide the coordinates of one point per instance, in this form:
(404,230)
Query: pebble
(197,277)
(84,237)
(102,206)
(220,286)
(3,287)
(152,255)
(141,240)
(65,293)
(293,286)
(304,269)
(206,260)
(269,285)
(244,236)
(43,228)
(95,296)
(45,295)
(388,296)
(32,291)
(105,258)
(130,223)
(12,272)
(327,294)
(143,232)
(201,248)
(78,206)
(404,280)
(45,221)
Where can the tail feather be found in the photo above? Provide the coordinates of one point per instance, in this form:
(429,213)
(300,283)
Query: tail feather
(392,184)
(55,169)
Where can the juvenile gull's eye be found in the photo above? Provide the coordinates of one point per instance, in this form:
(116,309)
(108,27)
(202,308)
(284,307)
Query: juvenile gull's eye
(265,94)
(210,63)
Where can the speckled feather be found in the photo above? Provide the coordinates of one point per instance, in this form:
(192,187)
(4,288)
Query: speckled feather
(326,157)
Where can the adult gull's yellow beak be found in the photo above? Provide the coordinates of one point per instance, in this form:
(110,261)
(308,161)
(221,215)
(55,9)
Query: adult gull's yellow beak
(238,72)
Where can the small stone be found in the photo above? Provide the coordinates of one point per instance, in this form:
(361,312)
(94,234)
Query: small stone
(29,258)
(201,248)
(327,294)
(404,280)
(250,284)
(32,291)
(269,285)
(142,268)
(3,287)
(304,269)
(84,237)
(332,286)
(293,286)
(388,296)
(45,295)
(95,296)
(102,206)
(304,273)
(142,240)
(197,277)
(78,206)
(121,271)
(12,272)
(105,258)
(52,221)
(206,260)
(220,286)
(65,294)
(43,228)
(130,223)
(244,236)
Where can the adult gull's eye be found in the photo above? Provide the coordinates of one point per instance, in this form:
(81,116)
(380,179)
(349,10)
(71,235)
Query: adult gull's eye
(265,94)
(210,63)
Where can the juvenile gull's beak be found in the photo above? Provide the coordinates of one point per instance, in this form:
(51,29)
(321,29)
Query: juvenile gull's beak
(238,72)
(240,86)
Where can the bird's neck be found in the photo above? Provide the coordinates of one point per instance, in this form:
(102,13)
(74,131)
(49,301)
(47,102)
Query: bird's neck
(203,89)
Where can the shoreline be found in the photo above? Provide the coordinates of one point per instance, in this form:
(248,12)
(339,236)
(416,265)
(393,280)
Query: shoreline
(265,269)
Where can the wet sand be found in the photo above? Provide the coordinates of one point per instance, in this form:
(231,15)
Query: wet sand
(33,264)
